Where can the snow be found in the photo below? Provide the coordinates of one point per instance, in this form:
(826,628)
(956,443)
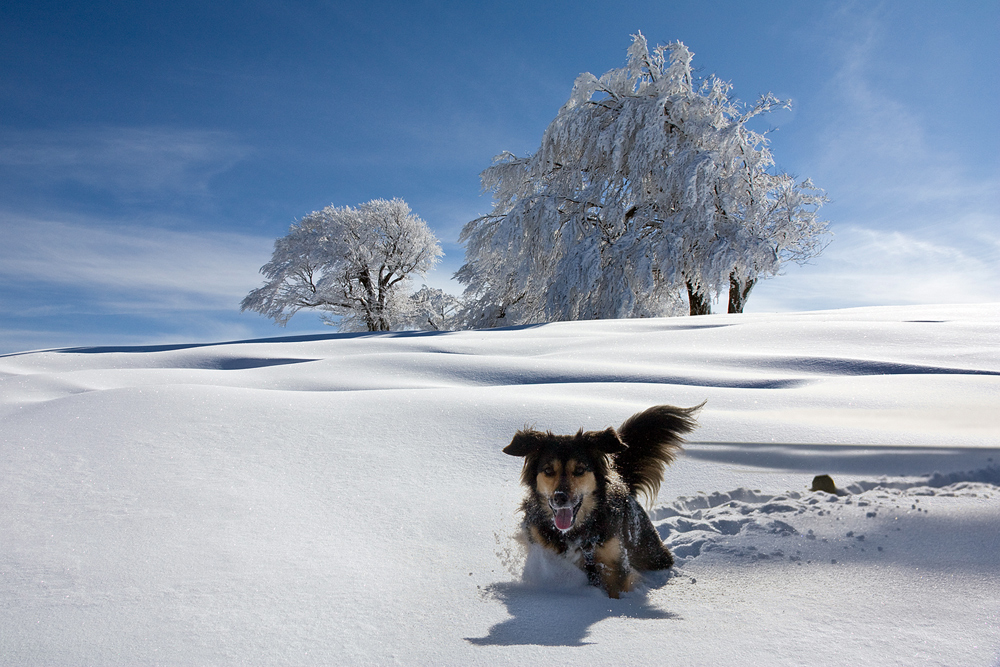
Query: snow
(343,499)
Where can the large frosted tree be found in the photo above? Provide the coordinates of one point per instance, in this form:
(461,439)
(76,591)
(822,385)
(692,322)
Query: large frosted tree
(352,264)
(646,189)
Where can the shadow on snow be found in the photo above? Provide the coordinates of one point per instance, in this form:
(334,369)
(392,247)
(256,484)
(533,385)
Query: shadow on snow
(546,617)
(846,459)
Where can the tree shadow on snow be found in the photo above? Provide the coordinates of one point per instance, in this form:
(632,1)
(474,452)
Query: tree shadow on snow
(300,338)
(563,617)
(844,459)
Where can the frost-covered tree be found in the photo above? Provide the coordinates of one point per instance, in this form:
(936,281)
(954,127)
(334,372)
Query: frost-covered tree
(778,224)
(354,264)
(646,189)
(433,309)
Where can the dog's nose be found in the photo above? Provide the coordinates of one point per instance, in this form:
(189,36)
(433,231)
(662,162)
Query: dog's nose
(560,498)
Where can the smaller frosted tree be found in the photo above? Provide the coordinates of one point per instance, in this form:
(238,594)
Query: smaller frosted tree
(353,264)
(433,309)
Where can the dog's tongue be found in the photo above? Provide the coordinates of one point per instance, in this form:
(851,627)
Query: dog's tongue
(564,518)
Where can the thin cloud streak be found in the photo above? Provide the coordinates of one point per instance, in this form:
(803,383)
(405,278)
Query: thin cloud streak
(869,267)
(134,269)
(131,162)
(878,156)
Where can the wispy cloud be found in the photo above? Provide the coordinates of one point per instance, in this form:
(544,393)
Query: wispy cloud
(914,221)
(127,162)
(869,267)
(882,157)
(131,269)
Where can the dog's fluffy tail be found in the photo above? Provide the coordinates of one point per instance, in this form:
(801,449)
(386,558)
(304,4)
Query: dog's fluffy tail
(654,439)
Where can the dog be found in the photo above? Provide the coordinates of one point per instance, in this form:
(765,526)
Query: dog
(582,493)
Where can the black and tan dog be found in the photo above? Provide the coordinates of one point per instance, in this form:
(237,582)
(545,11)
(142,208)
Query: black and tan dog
(582,502)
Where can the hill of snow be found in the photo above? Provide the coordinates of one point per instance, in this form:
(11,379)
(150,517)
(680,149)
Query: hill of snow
(343,499)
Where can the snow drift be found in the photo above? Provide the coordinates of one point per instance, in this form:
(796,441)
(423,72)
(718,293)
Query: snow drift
(344,499)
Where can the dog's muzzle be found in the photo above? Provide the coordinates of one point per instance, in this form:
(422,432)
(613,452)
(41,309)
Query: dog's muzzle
(563,511)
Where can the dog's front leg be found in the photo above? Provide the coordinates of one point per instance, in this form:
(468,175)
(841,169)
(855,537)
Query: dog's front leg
(592,569)
(607,567)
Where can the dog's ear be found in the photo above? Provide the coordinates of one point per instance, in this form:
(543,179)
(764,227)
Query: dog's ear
(525,442)
(607,441)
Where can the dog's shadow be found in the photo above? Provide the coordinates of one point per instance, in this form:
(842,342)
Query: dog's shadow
(563,616)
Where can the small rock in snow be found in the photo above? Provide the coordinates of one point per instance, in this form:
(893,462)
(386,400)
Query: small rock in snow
(823,483)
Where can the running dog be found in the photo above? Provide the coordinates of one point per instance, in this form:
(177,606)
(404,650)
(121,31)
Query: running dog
(581,501)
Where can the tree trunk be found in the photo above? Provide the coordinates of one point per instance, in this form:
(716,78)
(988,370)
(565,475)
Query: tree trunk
(739,290)
(698,300)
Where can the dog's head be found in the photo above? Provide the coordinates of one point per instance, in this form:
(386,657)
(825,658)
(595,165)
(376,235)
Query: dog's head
(567,473)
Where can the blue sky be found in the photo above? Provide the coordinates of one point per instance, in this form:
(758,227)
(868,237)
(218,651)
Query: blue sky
(150,153)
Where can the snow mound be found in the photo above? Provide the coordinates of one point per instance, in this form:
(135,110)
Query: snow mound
(748,524)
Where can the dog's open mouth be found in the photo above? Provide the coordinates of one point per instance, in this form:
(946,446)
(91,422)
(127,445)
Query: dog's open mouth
(565,516)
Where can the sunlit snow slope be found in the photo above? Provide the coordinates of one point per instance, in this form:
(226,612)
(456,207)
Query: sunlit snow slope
(343,499)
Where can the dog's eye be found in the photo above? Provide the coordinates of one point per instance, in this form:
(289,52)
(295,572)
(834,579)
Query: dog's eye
(549,471)
(580,472)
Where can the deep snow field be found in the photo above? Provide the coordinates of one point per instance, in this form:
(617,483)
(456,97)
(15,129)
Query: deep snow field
(343,499)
